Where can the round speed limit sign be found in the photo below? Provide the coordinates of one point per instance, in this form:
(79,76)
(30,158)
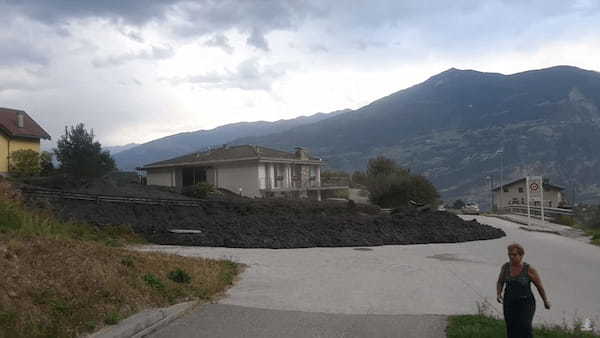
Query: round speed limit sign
(534,187)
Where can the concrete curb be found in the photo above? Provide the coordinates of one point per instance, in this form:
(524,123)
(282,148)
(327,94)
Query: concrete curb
(537,229)
(576,234)
(143,323)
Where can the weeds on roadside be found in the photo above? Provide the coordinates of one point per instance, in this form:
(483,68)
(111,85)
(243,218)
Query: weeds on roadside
(485,324)
(17,220)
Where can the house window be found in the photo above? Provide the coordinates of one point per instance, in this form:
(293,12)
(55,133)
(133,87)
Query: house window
(521,190)
(505,189)
(550,204)
(522,200)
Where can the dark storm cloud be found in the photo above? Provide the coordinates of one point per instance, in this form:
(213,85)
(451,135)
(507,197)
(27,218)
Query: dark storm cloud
(248,75)
(193,18)
(57,11)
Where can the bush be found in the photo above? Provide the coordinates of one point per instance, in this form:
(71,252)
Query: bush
(199,190)
(179,276)
(24,163)
(80,156)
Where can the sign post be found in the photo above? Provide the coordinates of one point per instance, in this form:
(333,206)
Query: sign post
(535,192)
(528,208)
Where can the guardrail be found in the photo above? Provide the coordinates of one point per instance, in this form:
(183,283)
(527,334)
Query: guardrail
(537,211)
(56,194)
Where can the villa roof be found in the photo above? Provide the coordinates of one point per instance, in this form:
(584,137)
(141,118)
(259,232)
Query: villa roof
(230,154)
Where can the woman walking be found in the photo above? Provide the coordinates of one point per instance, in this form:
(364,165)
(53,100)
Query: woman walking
(518,301)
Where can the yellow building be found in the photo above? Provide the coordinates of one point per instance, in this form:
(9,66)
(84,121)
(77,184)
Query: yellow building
(18,131)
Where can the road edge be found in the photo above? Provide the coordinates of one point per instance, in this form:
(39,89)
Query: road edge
(144,323)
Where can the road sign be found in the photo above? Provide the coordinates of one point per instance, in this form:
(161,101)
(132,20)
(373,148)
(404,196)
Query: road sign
(534,187)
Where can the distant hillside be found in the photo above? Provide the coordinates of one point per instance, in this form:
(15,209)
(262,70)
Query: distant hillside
(451,127)
(184,143)
(117,149)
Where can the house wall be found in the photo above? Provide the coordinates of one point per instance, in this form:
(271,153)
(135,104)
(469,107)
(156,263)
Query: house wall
(552,197)
(162,176)
(3,153)
(8,145)
(211,176)
(240,176)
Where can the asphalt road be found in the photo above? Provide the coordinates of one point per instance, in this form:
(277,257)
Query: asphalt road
(377,291)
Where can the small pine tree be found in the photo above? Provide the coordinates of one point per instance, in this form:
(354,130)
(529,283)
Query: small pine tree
(80,156)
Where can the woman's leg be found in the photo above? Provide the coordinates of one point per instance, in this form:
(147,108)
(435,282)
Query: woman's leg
(511,319)
(527,313)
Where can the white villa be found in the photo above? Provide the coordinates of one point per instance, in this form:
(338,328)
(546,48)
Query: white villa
(515,194)
(249,170)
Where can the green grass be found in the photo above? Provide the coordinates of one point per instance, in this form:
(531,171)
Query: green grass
(64,279)
(17,221)
(595,233)
(481,326)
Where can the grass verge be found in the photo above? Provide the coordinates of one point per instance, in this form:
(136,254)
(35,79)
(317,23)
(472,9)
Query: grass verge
(482,326)
(63,279)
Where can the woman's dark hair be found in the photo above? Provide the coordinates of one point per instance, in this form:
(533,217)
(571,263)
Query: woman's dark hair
(518,247)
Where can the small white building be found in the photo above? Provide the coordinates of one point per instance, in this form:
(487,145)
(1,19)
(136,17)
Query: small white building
(252,171)
(515,194)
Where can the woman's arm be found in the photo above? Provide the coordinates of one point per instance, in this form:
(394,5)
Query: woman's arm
(537,281)
(500,284)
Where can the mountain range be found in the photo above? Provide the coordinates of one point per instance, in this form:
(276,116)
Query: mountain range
(188,142)
(460,127)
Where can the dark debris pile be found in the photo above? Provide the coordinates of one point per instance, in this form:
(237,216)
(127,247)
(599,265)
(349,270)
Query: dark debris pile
(277,223)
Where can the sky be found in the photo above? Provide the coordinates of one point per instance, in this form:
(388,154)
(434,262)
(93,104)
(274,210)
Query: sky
(137,70)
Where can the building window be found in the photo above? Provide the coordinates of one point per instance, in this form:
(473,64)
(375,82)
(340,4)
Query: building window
(505,189)
(521,190)
(522,200)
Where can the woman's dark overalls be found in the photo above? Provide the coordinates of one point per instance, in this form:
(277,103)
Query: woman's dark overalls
(519,303)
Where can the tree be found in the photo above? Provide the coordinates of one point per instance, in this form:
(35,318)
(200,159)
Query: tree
(80,156)
(24,163)
(381,166)
(391,186)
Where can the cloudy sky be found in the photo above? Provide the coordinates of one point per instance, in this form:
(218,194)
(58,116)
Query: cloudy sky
(136,70)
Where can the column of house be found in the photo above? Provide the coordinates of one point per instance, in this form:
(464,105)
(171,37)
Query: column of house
(287,177)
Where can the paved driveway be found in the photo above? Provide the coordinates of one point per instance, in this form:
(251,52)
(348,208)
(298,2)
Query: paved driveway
(432,279)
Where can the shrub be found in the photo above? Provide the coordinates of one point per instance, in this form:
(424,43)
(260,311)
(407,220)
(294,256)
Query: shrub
(112,318)
(179,276)
(153,281)
(199,190)
(24,163)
